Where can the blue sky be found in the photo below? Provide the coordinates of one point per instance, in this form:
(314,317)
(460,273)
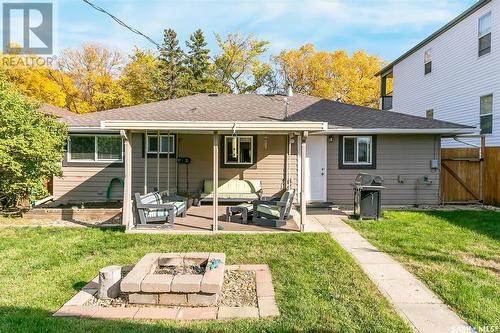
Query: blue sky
(386,28)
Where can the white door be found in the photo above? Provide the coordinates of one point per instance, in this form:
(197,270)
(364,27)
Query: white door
(316,168)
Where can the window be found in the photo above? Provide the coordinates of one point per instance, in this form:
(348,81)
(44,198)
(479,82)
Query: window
(167,144)
(428,61)
(484,34)
(95,148)
(357,150)
(429,114)
(486,114)
(238,150)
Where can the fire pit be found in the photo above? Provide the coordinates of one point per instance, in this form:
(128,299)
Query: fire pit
(193,279)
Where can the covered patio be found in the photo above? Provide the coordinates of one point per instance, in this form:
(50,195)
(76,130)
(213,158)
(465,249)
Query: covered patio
(287,138)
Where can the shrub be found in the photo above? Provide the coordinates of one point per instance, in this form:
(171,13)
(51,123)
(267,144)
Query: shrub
(31,147)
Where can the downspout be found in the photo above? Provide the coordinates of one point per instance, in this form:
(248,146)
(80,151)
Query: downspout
(168,163)
(158,161)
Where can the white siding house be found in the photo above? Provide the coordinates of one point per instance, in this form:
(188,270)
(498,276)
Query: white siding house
(445,76)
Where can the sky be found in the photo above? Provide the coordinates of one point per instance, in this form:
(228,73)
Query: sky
(385,28)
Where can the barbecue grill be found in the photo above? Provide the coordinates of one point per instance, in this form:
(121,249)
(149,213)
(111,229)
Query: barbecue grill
(367,196)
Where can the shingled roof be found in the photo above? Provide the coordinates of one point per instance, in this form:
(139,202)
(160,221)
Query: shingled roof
(255,107)
(55,111)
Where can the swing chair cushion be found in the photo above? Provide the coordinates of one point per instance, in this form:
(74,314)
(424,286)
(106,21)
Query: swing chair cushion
(232,190)
(151,208)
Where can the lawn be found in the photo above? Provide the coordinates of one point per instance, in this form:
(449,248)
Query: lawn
(456,253)
(318,286)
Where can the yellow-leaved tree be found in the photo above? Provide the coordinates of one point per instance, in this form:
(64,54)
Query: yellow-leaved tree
(333,75)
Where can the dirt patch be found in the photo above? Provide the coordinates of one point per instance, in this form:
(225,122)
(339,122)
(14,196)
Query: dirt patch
(489,264)
(180,269)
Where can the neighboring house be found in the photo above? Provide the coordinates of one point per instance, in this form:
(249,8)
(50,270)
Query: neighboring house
(295,141)
(453,75)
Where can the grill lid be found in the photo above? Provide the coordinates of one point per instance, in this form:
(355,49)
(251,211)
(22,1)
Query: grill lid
(366,179)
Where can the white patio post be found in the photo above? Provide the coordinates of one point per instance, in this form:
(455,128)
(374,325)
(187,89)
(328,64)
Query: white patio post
(127,188)
(146,144)
(303,213)
(215,149)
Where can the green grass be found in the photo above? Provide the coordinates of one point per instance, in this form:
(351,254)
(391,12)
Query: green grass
(454,252)
(318,286)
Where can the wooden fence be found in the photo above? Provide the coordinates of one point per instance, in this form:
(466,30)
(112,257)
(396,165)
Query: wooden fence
(461,175)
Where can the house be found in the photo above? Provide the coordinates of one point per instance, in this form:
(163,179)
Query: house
(452,75)
(55,111)
(313,145)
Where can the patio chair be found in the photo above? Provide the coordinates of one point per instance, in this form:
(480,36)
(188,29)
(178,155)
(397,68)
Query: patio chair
(151,208)
(272,213)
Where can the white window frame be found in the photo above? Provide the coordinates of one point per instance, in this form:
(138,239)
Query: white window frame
(252,147)
(370,147)
(486,114)
(488,31)
(172,150)
(96,140)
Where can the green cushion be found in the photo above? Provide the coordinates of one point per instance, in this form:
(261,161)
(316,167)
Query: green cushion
(233,186)
(247,196)
(269,210)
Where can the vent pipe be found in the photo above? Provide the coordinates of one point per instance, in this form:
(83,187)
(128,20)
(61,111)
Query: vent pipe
(289,92)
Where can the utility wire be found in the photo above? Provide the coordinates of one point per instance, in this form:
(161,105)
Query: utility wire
(120,22)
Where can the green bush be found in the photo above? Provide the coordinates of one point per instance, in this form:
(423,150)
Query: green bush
(31,147)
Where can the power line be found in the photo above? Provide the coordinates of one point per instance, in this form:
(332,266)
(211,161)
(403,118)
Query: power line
(120,22)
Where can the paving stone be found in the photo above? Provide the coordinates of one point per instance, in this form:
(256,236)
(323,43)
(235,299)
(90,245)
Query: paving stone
(143,298)
(156,313)
(213,278)
(369,256)
(195,258)
(92,284)
(189,283)
(267,306)
(254,267)
(201,313)
(131,283)
(76,311)
(82,297)
(115,313)
(265,289)
(263,277)
(157,283)
(172,299)
(202,299)
(171,259)
(231,312)
(387,272)
(232,267)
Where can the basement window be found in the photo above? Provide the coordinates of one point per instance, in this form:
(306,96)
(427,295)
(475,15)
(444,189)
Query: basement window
(484,34)
(238,150)
(95,148)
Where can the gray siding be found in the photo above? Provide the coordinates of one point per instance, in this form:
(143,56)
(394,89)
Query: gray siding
(407,156)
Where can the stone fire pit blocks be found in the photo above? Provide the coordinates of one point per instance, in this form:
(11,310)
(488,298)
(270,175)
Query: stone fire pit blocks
(144,285)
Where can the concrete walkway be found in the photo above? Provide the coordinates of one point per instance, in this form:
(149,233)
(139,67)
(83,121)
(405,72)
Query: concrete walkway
(424,311)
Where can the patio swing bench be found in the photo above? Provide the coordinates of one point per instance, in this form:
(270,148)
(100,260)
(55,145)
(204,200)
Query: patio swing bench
(151,207)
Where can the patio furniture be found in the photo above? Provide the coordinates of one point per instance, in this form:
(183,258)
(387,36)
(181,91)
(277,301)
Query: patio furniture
(244,209)
(151,208)
(271,213)
(231,190)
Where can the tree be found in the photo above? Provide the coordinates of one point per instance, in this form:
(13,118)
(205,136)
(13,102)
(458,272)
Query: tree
(142,78)
(197,62)
(332,75)
(32,146)
(93,71)
(238,68)
(172,65)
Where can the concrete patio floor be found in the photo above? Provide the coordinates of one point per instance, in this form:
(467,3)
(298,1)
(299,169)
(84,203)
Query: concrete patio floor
(423,310)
